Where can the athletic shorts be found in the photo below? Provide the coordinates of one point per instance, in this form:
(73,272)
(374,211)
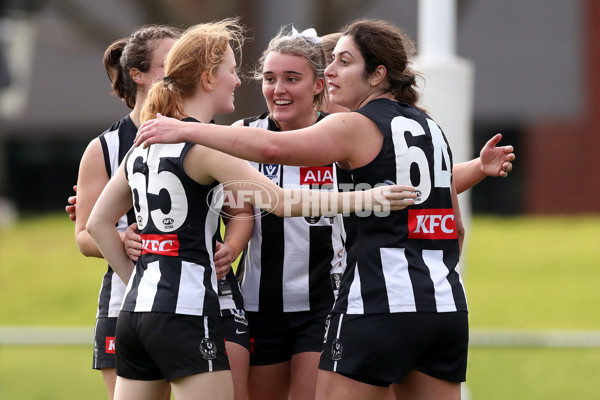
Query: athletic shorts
(275,337)
(104,343)
(235,328)
(156,345)
(381,349)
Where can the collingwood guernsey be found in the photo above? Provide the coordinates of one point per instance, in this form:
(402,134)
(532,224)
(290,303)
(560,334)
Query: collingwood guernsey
(178,219)
(115,142)
(289,260)
(407,261)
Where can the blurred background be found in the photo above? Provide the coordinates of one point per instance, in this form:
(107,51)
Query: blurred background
(529,69)
(536,74)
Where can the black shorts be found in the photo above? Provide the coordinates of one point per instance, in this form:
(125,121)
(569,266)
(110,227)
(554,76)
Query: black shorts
(104,343)
(275,337)
(235,328)
(155,345)
(381,349)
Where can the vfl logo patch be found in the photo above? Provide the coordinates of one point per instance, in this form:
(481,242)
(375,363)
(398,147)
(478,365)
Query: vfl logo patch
(336,350)
(432,224)
(110,345)
(165,245)
(208,349)
(271,170)
(316,176)
(239,316)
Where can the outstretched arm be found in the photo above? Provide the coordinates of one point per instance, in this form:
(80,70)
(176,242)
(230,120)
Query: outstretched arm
(248,184)
(492,161)
(333,139)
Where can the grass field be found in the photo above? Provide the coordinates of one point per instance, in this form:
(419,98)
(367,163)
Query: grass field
(520,273)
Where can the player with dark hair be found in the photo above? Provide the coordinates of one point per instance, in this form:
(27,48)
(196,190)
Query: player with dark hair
(132,65)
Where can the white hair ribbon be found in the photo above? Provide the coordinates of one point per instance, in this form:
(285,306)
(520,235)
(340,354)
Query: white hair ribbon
(309,34)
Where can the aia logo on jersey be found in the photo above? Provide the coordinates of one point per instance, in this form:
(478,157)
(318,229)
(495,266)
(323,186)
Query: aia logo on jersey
(110,345)
(316,176)
(165,245)
(432,224)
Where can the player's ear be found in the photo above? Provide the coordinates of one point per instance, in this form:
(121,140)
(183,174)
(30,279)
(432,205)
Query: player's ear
(207,83)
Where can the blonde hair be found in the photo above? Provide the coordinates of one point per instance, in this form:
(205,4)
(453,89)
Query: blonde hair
(297,45)
(200,49)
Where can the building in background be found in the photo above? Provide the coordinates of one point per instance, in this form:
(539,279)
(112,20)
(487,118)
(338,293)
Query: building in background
(537,80)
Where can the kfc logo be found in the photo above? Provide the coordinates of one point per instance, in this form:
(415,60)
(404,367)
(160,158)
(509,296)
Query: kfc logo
(431,224)
(316,176)
(165,245)
(110,345)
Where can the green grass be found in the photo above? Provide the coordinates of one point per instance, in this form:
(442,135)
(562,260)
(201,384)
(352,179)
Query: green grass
(49,373)
(534,273)
(532,374)
(44,279)
(521,273)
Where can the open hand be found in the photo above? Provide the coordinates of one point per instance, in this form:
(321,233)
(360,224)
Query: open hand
(394,197)
(496,161)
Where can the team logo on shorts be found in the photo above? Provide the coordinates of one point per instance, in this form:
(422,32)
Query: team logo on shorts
(336,350)
(208,349)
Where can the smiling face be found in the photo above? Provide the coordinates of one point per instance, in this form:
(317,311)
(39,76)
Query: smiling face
(225,81)
(289,86)
(346,75)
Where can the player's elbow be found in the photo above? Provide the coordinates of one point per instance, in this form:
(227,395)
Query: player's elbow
(86,245)
(272,153)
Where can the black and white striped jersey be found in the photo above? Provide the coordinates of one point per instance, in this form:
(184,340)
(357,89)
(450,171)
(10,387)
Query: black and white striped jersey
(115,142)
(288,263)
(178,220)
(406,261)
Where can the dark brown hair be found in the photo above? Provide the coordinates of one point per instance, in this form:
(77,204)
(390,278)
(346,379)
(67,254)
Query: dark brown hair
(134,51)
(382,43)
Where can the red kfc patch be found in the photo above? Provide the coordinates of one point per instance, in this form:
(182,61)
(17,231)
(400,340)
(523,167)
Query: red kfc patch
(165,245)
(432,224)
(110,345)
